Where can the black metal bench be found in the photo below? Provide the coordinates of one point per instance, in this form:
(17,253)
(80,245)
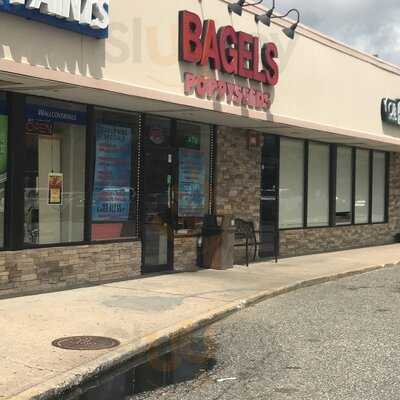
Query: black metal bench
(244,231)
(246,236)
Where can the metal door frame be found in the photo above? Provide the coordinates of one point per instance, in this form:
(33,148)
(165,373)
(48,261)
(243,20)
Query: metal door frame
(169,267)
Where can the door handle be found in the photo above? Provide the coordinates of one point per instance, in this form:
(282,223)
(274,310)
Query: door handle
(169,183)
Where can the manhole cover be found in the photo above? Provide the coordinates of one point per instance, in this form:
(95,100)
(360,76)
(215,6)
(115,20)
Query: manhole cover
(85,343)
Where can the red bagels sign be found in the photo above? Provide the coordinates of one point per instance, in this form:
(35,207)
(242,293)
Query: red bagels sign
(230,52)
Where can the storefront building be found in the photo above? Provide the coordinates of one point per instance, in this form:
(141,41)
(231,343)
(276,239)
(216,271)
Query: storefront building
(121,127)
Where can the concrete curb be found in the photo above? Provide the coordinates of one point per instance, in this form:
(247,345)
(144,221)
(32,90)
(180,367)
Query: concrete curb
(58,385)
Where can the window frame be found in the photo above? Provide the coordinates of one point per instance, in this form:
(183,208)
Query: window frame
(332,185)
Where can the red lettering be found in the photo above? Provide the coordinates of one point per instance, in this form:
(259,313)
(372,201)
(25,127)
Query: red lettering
(221,89)
(190,82)
(269,53)
(228,42)
(259,99)
(201,86)
(245,69)
(210,46)
(231,52)
(230,93)
(190,30)
(266,100)
(246,93)
(212,87)
(257,74)
(252,98)
(238,95)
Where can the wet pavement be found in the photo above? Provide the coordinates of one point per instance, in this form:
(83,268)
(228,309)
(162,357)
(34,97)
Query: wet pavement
(180,361)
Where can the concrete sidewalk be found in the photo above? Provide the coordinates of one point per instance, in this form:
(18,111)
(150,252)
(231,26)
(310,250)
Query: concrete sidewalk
(146,312)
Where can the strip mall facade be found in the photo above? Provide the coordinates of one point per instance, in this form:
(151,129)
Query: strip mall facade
(115,142)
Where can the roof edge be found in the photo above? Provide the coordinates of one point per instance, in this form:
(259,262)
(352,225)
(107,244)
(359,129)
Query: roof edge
(326,40)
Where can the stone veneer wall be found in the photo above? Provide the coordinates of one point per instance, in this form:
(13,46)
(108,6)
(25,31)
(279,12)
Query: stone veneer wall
(238,179)
(309,241)
(238,175)
(57,268)
(185,254)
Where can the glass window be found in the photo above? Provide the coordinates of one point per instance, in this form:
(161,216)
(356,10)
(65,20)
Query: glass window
(378,187)
(114,201)
(3,161)
(54,178)
(344,176)
(192,142)
(291,181)
(362,187)
(318,185)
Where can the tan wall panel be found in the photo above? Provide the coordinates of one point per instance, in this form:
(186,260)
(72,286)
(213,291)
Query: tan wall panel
(318,83)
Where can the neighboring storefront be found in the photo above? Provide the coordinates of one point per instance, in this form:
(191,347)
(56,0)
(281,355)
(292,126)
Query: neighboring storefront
(118,134)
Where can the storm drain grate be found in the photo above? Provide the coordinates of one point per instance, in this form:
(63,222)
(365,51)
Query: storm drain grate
(85,343)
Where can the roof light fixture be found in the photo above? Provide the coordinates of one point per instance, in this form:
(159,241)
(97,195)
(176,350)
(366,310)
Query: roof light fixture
(237,8)
(290,31)
(266,20)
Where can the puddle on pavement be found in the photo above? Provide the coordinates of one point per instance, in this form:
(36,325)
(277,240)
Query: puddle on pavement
(175,363)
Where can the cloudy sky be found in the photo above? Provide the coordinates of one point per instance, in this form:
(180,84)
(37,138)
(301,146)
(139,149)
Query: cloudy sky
(372,26)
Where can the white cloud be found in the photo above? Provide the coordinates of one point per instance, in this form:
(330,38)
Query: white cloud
(368,25)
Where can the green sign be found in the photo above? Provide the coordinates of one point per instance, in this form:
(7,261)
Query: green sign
(192,142)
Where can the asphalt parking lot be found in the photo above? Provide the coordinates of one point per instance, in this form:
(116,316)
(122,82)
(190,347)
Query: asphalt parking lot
(338,340)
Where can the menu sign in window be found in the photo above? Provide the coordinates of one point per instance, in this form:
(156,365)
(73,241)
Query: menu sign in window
(113,172)
(191,183)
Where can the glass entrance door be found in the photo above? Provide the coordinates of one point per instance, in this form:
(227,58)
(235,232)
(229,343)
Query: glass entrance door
(158,198)
(269,197)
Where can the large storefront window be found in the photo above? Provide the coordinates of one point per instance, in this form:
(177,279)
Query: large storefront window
(378,187)
(291,180)
(362,187)
(55,143)
(114,201)
(3,162)
(354,192)
(344,176)
(318,185)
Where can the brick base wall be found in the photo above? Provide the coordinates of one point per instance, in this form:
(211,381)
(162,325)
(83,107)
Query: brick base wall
(62,267)
(185,254)
(310,241)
